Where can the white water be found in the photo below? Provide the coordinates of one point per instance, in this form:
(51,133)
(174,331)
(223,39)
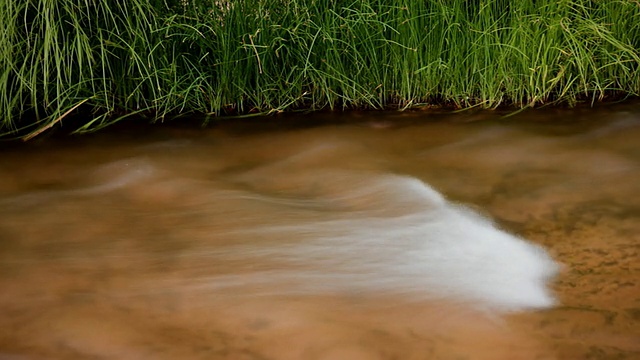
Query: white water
(386,234)
(334,230)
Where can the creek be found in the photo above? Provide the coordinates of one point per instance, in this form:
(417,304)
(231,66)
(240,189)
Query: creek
(327,236)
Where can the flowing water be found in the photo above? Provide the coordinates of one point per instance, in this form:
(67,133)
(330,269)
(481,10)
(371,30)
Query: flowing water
(371,236)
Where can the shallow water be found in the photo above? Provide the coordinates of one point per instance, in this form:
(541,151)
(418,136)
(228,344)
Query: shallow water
(373,236)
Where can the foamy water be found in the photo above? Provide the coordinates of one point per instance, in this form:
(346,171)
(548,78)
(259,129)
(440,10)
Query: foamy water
(364,232)
(430,248)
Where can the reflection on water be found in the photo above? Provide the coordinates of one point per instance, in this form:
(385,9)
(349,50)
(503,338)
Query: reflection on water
(366,240)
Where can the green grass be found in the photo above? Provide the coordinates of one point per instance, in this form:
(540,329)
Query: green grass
(113,59)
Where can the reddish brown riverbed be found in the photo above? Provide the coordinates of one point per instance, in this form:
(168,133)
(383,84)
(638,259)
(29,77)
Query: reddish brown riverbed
(372,236)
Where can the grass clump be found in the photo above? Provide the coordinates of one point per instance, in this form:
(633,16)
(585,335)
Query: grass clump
(222,57)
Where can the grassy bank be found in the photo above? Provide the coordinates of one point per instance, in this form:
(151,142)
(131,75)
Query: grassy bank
(158,58)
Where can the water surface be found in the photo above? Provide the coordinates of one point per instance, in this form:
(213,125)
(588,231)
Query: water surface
(369,236)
